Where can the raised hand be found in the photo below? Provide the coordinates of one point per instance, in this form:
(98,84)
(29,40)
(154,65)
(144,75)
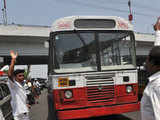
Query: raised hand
(157,25)
(13,54)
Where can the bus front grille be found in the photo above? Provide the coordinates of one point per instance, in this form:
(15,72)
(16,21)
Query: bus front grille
(100,87)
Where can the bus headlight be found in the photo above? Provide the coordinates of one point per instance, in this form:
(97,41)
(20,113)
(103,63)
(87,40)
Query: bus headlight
(129,89)
(68,94)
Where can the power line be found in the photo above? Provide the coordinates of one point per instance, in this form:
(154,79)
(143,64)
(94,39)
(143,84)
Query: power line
(113,1)
(146,7)
(133,5)
(96,6)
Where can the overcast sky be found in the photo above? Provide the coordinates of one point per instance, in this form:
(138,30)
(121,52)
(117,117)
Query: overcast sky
(44,12)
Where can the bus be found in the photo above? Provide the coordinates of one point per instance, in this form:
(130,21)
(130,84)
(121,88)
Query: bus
(92,67)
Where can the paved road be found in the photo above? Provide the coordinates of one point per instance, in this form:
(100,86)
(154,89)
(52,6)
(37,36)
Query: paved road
(40,112)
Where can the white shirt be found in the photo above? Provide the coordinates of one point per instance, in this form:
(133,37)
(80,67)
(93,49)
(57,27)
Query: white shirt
(157,40)
(18,98)
(36,83)
(150,103)
(1,115)
(26,87)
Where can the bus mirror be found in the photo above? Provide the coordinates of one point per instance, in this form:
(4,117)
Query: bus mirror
(46,44)
(144,66)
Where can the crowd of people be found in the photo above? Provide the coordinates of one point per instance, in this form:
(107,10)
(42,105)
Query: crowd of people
(32,90)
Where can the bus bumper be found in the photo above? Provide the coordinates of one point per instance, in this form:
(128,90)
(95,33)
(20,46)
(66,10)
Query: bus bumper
(97,111)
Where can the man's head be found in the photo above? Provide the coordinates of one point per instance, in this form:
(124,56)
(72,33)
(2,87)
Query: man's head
(19,75)
(153,60)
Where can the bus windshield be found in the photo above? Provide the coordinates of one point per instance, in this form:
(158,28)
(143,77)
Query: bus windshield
(87,51)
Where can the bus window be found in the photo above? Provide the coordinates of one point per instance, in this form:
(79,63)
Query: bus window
(115,49)
(75,52)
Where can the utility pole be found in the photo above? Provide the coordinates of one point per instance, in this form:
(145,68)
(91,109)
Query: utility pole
(130,16)
(4,12)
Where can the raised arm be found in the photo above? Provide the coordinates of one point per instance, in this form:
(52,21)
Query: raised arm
(11,67)
(157,32)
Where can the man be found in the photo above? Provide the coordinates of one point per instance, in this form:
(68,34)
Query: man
(1,115)
(157,31)
(28,87)
(36,90)
(150,103)
(18,93)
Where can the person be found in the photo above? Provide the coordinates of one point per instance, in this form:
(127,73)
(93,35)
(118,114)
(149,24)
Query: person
(28,87)
(37,85)
(156,27)
(19,104)
(1,115)
(36,89)
(150,102)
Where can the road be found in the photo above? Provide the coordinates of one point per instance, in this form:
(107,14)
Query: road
(40,112)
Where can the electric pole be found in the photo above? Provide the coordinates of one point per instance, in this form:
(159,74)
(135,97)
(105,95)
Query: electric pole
(4,12)
(130,16)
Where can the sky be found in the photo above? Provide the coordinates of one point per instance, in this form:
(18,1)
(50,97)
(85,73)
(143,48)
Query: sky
(45,12)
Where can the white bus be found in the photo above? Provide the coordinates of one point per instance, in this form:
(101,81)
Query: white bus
(92,67)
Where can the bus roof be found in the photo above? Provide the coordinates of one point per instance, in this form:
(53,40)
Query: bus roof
(91,23)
